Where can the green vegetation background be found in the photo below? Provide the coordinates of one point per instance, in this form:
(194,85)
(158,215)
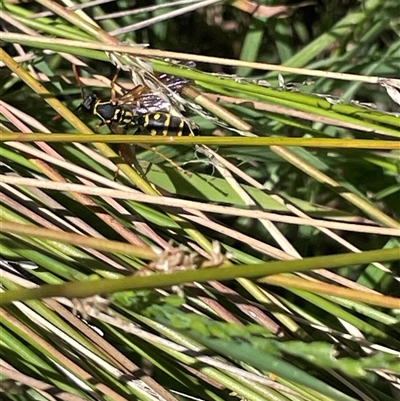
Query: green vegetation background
(262,324)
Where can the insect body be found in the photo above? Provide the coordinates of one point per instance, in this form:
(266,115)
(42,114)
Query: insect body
(121,118)
(141,109)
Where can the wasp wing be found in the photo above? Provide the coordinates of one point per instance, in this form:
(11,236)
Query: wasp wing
(143,99)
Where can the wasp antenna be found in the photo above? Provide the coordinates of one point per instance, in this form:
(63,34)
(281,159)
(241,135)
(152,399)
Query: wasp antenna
(113,81)
(78,79)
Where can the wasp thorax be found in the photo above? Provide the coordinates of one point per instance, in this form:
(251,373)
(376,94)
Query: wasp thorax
(107,111)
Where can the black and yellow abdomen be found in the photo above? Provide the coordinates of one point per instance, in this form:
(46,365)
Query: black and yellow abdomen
(165,124)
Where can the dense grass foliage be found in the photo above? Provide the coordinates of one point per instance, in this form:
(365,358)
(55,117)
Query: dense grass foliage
(258,260)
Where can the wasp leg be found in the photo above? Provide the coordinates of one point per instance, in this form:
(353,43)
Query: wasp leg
(99,125)
(166,159)
(128,154)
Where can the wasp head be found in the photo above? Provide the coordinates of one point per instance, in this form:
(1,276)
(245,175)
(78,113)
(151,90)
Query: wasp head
(103,110)
(89,103)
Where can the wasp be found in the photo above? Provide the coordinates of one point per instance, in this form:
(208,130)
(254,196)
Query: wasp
(142,110)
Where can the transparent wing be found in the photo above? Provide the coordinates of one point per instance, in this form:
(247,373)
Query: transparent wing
(142,99)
